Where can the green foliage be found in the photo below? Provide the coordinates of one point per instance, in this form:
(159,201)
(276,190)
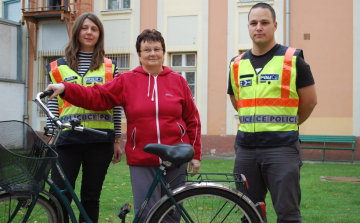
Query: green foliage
(322,201)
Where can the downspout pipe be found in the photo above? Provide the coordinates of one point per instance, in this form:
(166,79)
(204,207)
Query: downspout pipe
(26,116)
(287,22)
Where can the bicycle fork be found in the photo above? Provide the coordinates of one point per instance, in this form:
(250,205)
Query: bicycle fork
(24,203)
(72,193)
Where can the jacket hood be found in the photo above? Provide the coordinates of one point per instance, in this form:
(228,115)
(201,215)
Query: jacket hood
(165,71)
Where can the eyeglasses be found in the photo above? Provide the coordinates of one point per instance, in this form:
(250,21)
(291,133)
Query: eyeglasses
(148,51)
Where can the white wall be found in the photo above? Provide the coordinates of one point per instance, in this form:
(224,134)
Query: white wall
(11,101)
(8,49)
(117,33)
(182,31)
(52,35)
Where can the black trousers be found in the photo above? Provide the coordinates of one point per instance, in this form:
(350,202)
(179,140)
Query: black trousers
(95,159)
(276,169)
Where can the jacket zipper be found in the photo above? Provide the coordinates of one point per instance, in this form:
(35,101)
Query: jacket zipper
(256,86)
(133,137)
(182,131)
(157,110)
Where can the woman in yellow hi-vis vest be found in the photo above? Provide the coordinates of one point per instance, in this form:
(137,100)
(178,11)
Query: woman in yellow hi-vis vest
(84,64)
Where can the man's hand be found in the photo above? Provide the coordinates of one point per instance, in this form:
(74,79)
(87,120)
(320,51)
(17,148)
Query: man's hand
(195,166)
(307,102)
(57,88)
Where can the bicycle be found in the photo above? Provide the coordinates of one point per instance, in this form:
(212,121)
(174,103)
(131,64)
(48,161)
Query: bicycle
(205,199)
(25,163)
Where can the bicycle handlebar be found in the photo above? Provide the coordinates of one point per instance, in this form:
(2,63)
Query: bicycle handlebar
(59,123)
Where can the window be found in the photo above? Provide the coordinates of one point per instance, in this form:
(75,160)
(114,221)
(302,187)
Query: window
(185,64)
(117,4)
(122,61)
(253,0)
(44,78)
(183,60)
(12,10)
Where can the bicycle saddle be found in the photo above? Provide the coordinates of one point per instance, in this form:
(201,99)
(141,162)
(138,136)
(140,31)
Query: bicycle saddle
(177,154)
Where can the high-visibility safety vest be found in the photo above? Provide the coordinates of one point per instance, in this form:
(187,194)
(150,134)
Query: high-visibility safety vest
(60,71)
(267,102)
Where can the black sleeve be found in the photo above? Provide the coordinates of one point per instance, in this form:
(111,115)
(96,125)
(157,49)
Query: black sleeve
(304,76)
(230,90)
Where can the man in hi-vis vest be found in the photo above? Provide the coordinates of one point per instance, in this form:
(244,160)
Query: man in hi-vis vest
(273,90)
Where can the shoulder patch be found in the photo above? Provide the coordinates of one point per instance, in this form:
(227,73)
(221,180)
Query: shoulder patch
(245,83)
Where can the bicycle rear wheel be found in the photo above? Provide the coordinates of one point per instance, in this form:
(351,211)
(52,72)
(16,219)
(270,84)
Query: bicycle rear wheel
(42,212)
(206,205)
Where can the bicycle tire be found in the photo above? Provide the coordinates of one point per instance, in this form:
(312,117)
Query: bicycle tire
(206,205)
(42,212)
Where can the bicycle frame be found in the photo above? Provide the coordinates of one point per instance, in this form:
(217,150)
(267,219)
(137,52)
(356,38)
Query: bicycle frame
(159,179)
(52,185)
(72,193)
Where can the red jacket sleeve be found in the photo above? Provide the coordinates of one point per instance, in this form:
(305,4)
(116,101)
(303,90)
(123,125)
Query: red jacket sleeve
(98,97)
(192,119)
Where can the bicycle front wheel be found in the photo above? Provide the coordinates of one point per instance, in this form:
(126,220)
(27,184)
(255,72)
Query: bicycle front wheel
(42,212)
(206,205)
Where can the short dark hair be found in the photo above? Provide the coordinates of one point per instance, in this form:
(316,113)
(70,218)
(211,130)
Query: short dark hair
(266,6)
(150,35)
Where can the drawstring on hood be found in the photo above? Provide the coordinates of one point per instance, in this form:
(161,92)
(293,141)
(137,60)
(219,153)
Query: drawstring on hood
(149,85)
(152,96)
(165,71)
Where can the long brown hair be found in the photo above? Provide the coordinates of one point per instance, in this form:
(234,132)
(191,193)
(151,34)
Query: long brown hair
(73,46)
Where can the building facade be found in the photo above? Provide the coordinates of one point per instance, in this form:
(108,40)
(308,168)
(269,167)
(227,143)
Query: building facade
(202,36)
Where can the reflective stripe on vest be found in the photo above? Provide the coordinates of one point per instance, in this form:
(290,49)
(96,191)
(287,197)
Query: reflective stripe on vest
(108,70)
(246,119)
(284,101)
(236,77)
(58,78)
(55,71)
(88,117)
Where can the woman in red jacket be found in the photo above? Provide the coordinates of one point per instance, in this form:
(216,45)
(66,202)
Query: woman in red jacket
(159,108)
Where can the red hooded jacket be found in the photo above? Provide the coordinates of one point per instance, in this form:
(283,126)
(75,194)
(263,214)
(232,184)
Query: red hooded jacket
(158,110)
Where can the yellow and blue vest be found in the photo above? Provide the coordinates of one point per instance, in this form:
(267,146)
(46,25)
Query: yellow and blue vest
(103,120)
(267,102)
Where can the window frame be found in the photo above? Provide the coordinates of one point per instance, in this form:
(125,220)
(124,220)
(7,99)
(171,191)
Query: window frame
(120,5)
(183,59)
(117,58)
(5,8)
(183,69)
(183,74)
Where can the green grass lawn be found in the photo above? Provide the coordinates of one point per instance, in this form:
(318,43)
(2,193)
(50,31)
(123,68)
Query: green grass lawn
(322,201)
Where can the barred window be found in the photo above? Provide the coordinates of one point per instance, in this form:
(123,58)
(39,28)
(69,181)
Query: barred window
(185,64)
(43,78)
(122,61)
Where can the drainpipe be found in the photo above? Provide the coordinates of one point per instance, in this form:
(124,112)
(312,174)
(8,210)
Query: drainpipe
(287,22)
(26,116)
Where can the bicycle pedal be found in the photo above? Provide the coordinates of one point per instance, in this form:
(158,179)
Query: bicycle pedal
(124,210)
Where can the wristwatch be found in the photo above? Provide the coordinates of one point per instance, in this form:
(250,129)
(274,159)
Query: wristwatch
(117,140)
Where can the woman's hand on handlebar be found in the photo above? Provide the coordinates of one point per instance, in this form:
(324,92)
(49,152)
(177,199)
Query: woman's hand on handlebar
(57,88)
